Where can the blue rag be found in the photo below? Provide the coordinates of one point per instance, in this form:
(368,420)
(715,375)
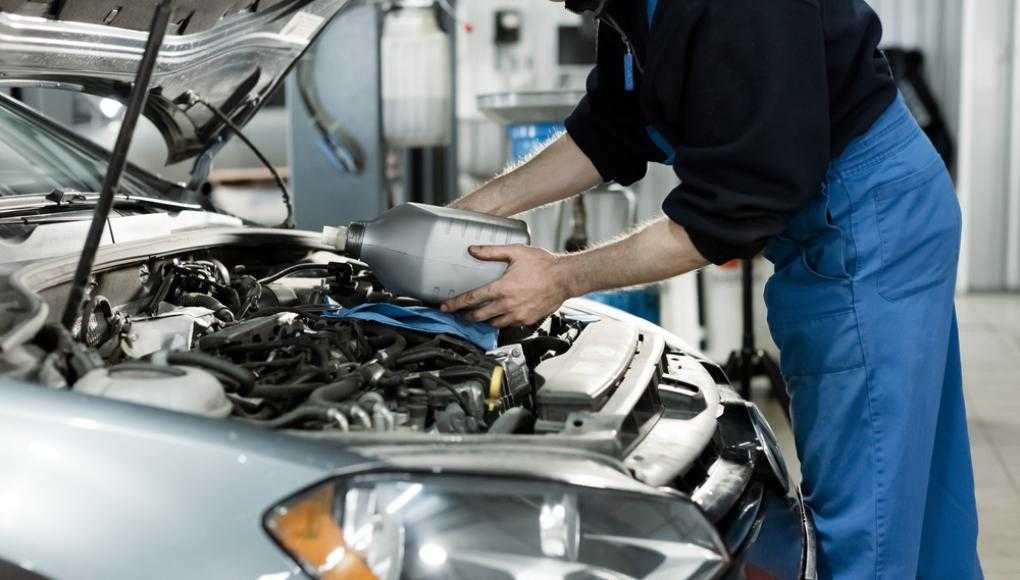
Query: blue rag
(423,319)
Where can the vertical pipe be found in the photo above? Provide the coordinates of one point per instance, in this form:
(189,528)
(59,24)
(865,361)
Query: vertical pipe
(1013,201)
(452,153)
(965,161)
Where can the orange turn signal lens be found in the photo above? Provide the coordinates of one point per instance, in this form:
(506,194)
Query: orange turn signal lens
(306,528)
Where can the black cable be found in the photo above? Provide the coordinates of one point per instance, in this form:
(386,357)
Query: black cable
(288,222)
(292,270)
(118,161)
(339,148)
(436,381)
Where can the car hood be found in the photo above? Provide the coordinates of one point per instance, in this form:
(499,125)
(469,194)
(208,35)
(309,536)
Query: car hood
(233,53)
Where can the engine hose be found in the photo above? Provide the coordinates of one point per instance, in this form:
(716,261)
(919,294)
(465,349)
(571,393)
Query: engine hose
(294,389)
(336,393)
(296,417)
(292,270)
(243,378)
(341,420)
(438,382)
(358,413)
(382,417)
(284,391)
(515,420)
(467,373)
(206,301)
(396,344)
(430,354)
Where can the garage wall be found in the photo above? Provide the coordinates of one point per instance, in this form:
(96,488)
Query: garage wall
(974,67)
(989,145)
(934,27)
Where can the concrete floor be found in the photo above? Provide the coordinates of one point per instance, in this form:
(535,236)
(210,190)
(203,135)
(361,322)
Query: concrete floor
(990,339)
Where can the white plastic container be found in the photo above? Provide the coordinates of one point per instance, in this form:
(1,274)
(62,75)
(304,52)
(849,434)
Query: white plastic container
(416,79)
(422,251)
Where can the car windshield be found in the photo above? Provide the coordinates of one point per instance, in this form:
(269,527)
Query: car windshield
(34,160)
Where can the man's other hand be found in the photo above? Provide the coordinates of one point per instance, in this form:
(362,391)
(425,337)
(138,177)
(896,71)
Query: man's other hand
(529,291)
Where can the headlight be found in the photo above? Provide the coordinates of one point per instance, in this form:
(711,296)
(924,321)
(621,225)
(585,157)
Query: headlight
(389,526)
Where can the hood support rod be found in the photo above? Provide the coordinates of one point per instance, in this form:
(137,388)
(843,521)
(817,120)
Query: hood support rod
(118,161)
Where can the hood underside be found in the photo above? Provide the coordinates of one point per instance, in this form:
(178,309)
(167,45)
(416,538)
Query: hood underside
(232,53)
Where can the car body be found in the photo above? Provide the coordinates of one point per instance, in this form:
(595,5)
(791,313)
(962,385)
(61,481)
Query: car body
(633,453)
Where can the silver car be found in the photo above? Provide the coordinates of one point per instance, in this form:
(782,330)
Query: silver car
(215,412)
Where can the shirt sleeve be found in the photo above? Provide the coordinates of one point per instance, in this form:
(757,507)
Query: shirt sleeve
(753,142)
(607,124)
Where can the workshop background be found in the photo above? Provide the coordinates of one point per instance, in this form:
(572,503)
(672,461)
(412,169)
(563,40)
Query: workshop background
(468,88)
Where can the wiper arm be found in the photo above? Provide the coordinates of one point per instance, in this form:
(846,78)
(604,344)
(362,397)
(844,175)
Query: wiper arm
(78,198)
(71,200)
(118,161)
(81,207)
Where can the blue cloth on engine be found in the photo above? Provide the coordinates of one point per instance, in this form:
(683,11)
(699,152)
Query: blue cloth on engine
(423,319)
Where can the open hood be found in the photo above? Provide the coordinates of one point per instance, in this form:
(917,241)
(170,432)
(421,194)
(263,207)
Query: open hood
(233,53)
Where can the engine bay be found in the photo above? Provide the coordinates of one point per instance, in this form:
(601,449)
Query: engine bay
(268,343)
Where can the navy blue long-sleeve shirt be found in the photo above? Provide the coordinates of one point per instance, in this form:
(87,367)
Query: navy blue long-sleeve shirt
(754,98)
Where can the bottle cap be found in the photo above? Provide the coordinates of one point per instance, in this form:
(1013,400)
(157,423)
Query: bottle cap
(335,237)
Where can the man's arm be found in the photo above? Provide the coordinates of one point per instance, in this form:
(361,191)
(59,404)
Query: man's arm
(558,172)
(539,282)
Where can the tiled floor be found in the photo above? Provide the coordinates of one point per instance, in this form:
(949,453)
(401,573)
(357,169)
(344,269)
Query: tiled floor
(990,339)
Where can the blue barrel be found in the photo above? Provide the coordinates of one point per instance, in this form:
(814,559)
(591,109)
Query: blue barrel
(642,302)
(526,138)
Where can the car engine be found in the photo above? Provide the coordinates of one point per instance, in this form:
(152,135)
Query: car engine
(271,346)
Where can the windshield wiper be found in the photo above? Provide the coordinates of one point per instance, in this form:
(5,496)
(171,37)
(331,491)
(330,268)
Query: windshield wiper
(118,161)
(72,200)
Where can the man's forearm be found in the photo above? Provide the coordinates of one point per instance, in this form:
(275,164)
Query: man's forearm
(558,172)
(659,251)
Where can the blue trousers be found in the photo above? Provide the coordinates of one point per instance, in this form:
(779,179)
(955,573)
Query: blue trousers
(861,306)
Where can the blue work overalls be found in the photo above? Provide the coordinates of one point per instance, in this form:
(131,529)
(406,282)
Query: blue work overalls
(861,306)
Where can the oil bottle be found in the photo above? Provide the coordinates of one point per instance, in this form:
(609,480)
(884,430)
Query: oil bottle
(421,251)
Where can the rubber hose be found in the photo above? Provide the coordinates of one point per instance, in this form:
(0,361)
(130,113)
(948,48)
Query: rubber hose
(286,391)
(298,387)
(466,373)
(292,270)
(397,344)
(298,416)
(206,301)
(244,378)
(513,421)
(335,393)
(431,354)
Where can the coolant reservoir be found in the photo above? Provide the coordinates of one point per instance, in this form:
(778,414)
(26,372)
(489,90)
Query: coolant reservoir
(416,78)
(422,251)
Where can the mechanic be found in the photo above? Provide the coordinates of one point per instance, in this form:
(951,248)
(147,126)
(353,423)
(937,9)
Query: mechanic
(785,127)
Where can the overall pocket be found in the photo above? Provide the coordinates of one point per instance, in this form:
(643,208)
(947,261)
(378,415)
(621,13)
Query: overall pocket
(810,298)
(919,227)
(812,317)
(818,346)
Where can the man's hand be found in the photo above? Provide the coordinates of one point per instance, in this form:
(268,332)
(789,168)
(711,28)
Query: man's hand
(537,282)
(531,289)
